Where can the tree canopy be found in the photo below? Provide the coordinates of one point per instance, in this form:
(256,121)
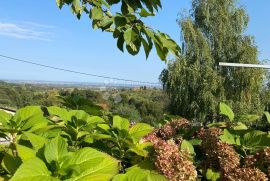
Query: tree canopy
(126,23)
(213,32)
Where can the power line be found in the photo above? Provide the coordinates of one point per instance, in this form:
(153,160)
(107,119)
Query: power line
(75,72)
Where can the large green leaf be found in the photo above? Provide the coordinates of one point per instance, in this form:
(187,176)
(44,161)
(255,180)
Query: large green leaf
(79,114)
(36,141)
(247,118)
(35,123)
(25,153)
(33,170)
(139,130)
(142,172)
(226,110)
(27,112)
(90,164)
(56,150)
(120,123)
(141,149)
(229,138)
(95,120)
(60,112)
(254,138)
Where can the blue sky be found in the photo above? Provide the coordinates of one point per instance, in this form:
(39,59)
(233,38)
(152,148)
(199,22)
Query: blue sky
(40,32)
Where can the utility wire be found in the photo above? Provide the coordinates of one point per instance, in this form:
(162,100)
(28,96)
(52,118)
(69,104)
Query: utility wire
(75,72)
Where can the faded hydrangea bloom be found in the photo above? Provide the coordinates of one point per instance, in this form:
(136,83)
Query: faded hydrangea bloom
(170,161)
(245,174)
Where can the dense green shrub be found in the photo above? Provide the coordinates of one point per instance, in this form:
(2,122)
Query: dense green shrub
(53,143)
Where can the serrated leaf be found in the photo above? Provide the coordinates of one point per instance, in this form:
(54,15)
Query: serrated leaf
(25,153)
(36,141)
(33,170)
(120,123)
(144,171)
(92,165)
(139,130)
(55,150)
(60,112)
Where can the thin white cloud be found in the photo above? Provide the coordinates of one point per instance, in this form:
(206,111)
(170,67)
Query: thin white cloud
(27,30)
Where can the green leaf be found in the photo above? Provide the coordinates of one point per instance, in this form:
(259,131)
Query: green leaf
(95,120)
(33,170)
(146,47)
(79,114)
(60,112)
(218,124)
(10,163)
(145,13)
(25,113)
(161,53)
(229,138)
(90,164)
(4,117)
(226,110)
(240,126)
(267,115)
(140,149)
(76,6)
(59,3)
(55,150)
(212,175)
(247,118)
(120,21)
(25,153)
(37,141)
(187,146)
(130,35)
(144,171)
(120,42)
(120,123)
(96,13)
(254,138)
(139,130)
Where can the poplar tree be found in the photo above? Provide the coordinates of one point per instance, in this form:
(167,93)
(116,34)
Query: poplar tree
(213,32)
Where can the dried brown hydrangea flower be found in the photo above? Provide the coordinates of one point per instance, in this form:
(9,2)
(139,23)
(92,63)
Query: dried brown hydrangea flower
(219,155)
(169,160)
(173,163)
(260,160)
(245,174)
(170,129)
